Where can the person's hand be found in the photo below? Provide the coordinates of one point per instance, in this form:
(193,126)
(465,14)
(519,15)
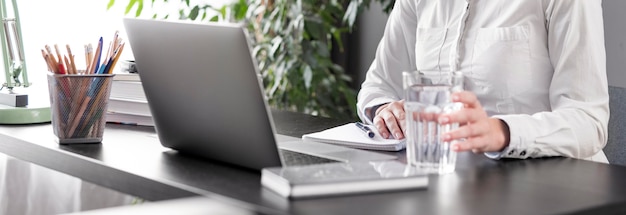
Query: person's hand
(390,119)
(481,132)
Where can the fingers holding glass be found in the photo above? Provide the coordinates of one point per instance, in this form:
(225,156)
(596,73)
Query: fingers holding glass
(478,132)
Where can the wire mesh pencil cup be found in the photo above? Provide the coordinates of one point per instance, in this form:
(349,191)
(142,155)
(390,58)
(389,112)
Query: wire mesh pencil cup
(79,104)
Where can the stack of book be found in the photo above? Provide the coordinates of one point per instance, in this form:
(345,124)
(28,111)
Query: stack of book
(127,102)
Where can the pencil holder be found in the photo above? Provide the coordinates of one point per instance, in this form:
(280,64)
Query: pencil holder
(78,104)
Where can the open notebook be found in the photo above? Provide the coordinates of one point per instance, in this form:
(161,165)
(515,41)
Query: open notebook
(352,136)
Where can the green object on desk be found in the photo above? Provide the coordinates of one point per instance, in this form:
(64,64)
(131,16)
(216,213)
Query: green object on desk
(24,115)
(15,72)
(37,109)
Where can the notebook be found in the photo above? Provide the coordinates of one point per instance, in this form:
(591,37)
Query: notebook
(352,136)
(342,179)
(205,94)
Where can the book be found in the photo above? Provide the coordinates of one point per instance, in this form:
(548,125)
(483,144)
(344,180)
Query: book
(127,90)
(342,178)
(129,106)
(351,135)
(121,76)
(127,101)
(129,119)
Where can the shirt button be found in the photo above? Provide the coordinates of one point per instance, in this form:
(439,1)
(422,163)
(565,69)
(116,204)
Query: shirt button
(512,151)
(522,153)
(483,89)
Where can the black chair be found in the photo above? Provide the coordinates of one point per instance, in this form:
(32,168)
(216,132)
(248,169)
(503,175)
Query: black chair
(615,148)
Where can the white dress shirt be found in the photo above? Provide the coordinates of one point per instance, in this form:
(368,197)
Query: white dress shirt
(539,65)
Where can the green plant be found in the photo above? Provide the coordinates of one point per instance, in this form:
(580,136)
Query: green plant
(292,41)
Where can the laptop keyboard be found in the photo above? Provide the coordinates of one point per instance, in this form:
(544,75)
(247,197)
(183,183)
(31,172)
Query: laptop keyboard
(292,158)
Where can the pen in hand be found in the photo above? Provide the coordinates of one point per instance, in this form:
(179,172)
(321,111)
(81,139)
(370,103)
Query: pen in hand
(365,129)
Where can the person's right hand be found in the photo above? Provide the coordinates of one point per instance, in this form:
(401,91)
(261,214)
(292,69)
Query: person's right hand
(390,119)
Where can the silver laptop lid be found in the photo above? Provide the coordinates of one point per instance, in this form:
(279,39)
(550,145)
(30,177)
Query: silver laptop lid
(204,90)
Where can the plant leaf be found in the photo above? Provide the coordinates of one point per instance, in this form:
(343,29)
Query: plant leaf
(130,5)
(111,2)
(351,12)
(223,11)
(239,9)
(308,76)
(276,42)
(203,15)
(193,14)
(139,8)
(214,18)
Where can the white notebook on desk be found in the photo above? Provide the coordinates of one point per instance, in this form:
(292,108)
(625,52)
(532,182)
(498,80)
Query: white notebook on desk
(351,136)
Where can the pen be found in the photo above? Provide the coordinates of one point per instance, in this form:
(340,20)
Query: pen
(96,59)
(114,58)
(365,129)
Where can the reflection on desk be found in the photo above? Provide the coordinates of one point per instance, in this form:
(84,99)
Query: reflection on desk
(31,189)
(186,206)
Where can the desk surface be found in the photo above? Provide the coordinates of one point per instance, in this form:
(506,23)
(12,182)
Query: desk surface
(132,161)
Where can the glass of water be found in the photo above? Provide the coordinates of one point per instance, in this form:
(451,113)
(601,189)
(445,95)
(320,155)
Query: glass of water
(427,95)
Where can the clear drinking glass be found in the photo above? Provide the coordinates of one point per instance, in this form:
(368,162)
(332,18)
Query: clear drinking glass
(427,95)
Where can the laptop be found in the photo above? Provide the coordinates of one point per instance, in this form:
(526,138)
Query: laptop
(205,94)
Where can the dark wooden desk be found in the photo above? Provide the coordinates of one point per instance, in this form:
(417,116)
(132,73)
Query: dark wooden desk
(131,160)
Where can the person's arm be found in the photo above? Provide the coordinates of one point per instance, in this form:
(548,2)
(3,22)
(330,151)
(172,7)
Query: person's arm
(577,125)
(395,53)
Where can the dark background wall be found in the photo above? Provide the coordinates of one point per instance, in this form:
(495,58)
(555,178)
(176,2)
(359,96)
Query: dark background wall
(615,40)
(360,45)
(369,29)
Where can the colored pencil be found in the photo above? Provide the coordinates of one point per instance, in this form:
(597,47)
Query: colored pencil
(72,63)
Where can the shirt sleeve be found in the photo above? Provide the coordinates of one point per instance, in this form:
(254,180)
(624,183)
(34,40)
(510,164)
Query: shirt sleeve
(395,53)
(577,125)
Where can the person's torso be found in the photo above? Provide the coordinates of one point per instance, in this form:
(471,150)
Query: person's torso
(500,46)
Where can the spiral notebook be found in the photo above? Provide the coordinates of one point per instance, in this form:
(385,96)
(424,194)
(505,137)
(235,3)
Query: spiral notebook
(352,136)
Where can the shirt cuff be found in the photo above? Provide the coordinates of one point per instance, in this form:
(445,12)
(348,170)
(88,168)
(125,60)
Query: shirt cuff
(372,111)
(375,102)
(494,155)
(518,147)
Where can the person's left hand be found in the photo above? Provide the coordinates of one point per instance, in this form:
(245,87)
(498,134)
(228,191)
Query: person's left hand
(481,132)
